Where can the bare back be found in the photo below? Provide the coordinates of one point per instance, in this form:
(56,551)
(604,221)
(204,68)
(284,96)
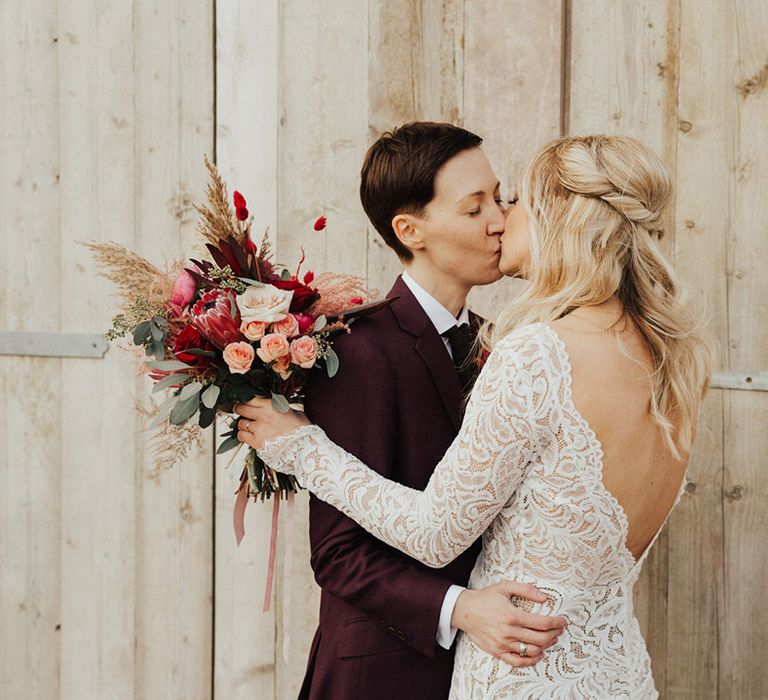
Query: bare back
(612,391)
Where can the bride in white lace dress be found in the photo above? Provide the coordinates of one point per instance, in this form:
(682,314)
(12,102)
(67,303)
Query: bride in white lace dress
(575,440)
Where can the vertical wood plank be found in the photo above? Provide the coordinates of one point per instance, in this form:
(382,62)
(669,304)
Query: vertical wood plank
(98,493)
(744,615)
(30,456)
(322,138)
(246,154)
(512,95)
(173,99)
(415,72)
(622,79)
(702,225)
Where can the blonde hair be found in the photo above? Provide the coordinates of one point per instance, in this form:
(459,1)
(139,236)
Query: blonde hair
(595,206)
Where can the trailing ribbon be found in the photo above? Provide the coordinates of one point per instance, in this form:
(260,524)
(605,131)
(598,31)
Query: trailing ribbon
(272,553)
(288,575)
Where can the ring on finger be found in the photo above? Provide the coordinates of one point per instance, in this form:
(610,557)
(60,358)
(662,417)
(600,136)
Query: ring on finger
(523,649)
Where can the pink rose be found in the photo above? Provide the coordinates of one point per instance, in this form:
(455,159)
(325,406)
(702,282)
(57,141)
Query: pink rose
(184,287)
(288,326)
(303,352)
(239,357)
(273,346)
(253,330)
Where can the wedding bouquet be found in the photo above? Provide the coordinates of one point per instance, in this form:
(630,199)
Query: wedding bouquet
(225,327)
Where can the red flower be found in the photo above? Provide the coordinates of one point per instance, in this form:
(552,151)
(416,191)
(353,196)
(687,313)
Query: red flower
(242,213)
(309,277)
(320,223)
(190,339)
(217,317)
(356,300)
(303,295)
(306,323)
(239,200)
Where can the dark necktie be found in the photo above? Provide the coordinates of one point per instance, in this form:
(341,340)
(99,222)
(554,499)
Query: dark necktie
(462,341)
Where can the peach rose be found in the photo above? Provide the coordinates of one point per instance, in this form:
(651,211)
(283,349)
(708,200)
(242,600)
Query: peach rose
(264,303)
(282,366)
(253,330)
(239,357)
(273,346)
(288,326)
(303,352)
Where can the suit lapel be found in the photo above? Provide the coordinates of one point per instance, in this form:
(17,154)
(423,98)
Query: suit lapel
(430,348)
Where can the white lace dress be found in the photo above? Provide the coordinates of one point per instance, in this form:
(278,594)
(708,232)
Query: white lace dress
(525,472)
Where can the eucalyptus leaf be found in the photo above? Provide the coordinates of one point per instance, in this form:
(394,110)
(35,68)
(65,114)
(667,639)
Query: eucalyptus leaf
(169,381)
(320,323)
(248,280)
(184,410)
(157,349)
(141,333)
(331,362)
(285,275)
(229,444)
(197,351)
(168,365)
(158,333)
(190,390)
(280,403)
(163,412)
(160,321)
(206,417)
(210,396)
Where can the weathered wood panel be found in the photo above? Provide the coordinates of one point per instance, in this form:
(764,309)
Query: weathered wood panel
(696,561)
(415,72)
(512,96)
(743,80)
(246,153)
(98,495)
(30,410)
(172,119)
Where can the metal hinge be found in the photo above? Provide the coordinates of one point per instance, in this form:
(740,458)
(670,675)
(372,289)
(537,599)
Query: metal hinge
(53,344)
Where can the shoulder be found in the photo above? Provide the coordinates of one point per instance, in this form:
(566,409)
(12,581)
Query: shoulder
(527,342)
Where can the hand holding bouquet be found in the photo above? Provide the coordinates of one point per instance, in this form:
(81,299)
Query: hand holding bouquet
(223,329)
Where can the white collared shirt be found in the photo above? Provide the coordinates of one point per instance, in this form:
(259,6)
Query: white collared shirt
(443,320)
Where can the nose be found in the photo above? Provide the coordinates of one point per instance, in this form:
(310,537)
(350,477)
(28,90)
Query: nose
(496,224)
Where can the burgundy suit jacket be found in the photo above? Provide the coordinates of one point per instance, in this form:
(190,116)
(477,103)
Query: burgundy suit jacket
(395,404)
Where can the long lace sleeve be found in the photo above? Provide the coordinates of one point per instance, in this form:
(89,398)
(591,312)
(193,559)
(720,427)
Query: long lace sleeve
(476,477)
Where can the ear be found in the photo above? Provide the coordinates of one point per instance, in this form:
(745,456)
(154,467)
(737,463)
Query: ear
(407,228)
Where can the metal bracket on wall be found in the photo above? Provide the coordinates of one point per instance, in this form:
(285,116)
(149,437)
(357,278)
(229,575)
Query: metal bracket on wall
(53,344)
(746,381)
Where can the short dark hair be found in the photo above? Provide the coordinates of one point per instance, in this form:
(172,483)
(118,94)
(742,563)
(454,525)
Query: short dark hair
(399,170)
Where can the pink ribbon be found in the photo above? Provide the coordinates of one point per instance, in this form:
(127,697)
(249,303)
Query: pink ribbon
(272,552)
(288,576)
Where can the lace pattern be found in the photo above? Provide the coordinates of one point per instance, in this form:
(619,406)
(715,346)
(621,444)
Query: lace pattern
(525,472)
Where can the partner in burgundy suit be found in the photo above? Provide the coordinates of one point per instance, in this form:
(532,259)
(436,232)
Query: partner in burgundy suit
(396,404)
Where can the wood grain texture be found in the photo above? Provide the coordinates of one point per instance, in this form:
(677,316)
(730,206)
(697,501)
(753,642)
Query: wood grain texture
(173,82)
(415,72)
(743,617)
(247,156)
(512,96)
(30,424)
(696,555)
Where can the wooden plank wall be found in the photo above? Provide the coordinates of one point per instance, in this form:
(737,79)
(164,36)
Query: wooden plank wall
(119,581)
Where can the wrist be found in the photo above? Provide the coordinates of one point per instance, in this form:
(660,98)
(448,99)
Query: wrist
(461,609)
